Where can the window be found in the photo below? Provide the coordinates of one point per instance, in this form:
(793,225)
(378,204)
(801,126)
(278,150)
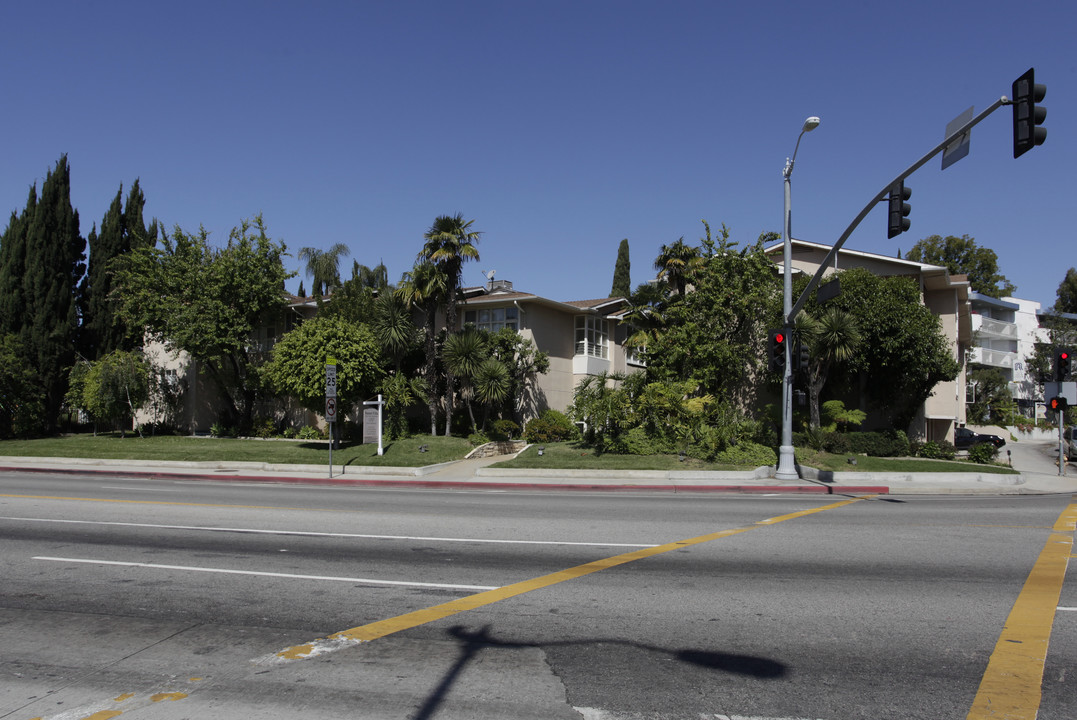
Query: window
(592,337)
(493,319)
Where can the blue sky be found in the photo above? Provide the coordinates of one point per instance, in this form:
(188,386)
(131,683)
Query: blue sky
(558,127)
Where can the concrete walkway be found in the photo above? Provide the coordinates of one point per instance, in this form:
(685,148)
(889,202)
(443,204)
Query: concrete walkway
(1034,460)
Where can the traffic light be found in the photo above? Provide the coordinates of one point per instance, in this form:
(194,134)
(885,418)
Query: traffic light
(1027,115)
(898,217)
(1062,364)
(776,350)
(802,358)
(1058,404)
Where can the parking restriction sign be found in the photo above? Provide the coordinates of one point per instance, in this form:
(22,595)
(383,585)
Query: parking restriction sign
(331,409)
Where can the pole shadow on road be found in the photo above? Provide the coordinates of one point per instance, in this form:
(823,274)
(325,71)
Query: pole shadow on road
(474,642)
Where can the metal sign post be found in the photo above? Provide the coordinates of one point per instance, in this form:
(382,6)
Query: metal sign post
(368,417)
(331,403)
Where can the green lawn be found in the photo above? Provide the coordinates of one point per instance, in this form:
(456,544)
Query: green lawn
(574,456)
(400,453)
(840,463)
(405,453)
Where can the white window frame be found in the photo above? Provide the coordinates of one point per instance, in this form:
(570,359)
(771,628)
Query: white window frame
(494,319)
(592,336)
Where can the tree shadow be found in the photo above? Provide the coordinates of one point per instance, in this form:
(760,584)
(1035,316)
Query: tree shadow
(474,642)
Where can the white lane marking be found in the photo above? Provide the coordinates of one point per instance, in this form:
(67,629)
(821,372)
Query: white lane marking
(305,533)
(365,581)
(1066,609)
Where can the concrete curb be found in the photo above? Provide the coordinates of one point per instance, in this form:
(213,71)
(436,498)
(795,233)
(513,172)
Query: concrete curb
(463,476)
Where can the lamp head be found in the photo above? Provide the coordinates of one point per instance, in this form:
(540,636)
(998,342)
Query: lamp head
(811,123)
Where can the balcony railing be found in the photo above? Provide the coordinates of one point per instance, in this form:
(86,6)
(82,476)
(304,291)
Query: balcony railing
(989,327)
(994,358)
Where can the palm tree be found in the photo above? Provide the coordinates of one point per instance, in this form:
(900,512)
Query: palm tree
(832,338)
(393,328)
(424,288)
(493,383)
(450,242)
(675,262)
(323,266)
(464,354)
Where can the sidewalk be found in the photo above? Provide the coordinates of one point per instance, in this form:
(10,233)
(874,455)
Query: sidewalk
(1034,460)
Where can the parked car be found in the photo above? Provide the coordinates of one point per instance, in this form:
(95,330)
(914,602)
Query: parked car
(965,438)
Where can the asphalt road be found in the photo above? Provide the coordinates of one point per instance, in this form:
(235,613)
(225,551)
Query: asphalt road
(178,599)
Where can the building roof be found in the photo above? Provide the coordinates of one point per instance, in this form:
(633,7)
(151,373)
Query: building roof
(474,296)
(981,299)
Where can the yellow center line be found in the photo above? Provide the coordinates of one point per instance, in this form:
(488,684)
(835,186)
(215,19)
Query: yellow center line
(1011,688)
(389,626)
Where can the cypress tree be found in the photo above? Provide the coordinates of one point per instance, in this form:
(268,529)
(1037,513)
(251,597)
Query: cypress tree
(122,230)
(54,255)
(13,267)
(622,273)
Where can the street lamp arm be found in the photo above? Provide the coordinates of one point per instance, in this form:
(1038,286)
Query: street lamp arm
(814,282)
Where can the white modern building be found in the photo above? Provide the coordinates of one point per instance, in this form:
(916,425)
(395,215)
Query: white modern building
(1004,337)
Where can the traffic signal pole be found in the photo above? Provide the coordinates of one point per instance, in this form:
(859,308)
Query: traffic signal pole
(791,313)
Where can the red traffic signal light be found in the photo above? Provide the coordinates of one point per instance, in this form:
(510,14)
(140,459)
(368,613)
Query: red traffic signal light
(1062,364)
(1058,404)
(776,342)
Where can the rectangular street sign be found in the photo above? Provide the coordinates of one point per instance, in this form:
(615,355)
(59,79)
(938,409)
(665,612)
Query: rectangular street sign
(330,381)
(1066,390)
(959,148)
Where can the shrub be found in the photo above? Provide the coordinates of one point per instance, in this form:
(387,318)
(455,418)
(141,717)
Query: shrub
(840,443)
(477,439)
(551,426)
(638,442)
(891,443)
(263,427)
(309,433)
(502,429)
(942,450)
(983,453)
(747,452)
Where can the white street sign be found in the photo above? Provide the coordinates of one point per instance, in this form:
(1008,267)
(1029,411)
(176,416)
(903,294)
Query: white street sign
(330,381)
(331,409)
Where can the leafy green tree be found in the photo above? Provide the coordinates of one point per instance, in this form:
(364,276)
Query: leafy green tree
(715,335)
(114,387)
(122,229)
(524,363)
(208,302)
(323,267)
(961,255)
(603,408)
(833,337)
(908,354)
(449,243)
(622,272)
(41,265)
(297,366)
(992,401)
(1067,293)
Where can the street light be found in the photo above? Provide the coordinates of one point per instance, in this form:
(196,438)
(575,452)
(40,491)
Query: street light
(786,464)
